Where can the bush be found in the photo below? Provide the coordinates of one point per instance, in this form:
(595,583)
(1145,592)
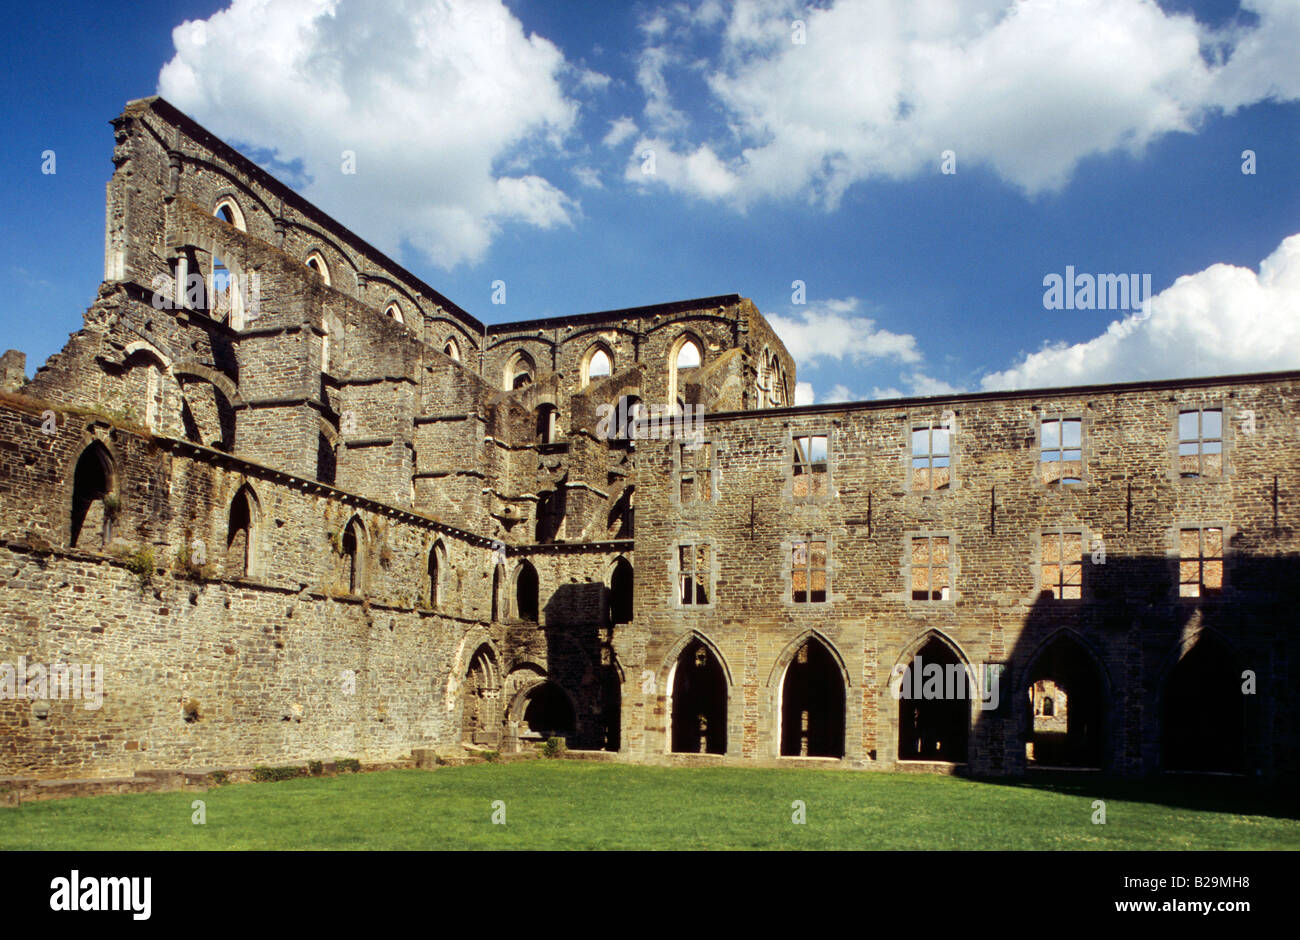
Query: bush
(315,768)
(349,764)
(553,747)
(141,564)
(264,774)
(219,777)
(491,756)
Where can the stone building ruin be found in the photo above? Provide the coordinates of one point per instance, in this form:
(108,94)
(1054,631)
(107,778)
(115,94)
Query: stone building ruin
(314,508)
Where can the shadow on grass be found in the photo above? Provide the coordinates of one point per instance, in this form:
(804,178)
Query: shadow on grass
(1204,792)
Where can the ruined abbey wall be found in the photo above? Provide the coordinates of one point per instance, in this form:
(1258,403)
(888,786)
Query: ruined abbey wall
(335,515)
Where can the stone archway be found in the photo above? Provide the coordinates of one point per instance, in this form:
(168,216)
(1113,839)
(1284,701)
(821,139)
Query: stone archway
(813,703)
(698,692)
(934,704)
(1064,695)
(1204,711)
(481,699)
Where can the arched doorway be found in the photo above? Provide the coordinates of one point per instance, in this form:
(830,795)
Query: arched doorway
(526,586)
(1065,701)
(92,505)
(699,702)
(548,712)
(620,592)
(812,704)
(1205,711)
(934,705)
(480,699)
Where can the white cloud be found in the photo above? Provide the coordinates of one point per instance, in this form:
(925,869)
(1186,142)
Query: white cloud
(838,393)
(700,172)
(588,176)
(432,97)
(834,329)
(593,81)
(620,129)
(881,88)
(1222,320)
(923,385)
(803,393)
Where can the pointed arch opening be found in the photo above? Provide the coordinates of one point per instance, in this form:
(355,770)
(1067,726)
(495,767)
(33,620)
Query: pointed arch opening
(597,363)
(481,699)
(228,211)
(620,592)
(316,262)
(94,505)
(813,701)
(452,349)
(687,353)
(496,593)
(934,705)
(241,524)
(436,571)
(698,690)
(547,417)
(394,312)
(520,371)
(548,712)
(1065,700)
(526,588)
(353,551)
(1204,711)
(326,460)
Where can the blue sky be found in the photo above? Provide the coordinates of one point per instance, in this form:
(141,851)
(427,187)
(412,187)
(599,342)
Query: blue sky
(789,142)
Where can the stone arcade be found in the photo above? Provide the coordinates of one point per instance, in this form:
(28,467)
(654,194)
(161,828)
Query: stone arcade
(344,517)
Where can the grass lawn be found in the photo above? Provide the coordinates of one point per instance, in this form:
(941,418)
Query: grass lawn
(577,805)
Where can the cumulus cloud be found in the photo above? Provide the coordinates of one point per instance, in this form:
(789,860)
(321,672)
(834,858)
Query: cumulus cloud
(803,393)
(432,97)
(834,329)
(880,88)
(620,130)
(1225,319)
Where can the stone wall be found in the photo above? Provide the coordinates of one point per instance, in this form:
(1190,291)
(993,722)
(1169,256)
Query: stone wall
(236,503)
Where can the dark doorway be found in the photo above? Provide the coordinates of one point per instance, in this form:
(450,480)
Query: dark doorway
(1066,708)
(1205,711)
(934,706)
(239,535)
(549,712)
(351,557)
(611,708)
(699,694)
(526,593)
(480,697)
(620,592)
(326,466)
(812,704)
(91,481)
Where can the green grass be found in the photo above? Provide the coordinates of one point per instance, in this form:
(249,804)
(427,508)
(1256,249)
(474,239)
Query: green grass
(576,805)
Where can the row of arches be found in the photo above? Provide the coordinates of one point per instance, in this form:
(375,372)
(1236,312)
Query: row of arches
(523,600)
(1202,723)
(686,352)
(227,303)
(95,506)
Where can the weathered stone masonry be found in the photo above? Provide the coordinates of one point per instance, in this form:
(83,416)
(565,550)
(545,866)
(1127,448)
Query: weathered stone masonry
(326,512)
